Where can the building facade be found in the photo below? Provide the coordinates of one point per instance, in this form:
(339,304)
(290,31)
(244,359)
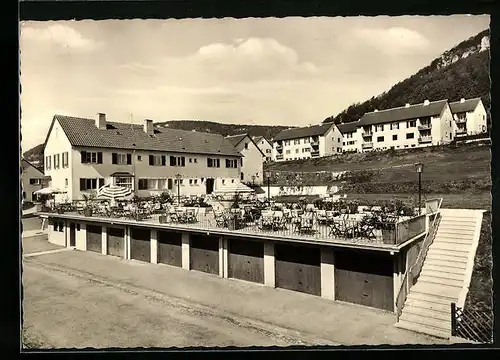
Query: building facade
(307,142)
(252,161)
(265,146)
(469,117)
(81,155)
(32,179)
(351,137)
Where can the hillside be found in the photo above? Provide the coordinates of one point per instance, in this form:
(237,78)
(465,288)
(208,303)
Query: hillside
(36,154)
(462,72)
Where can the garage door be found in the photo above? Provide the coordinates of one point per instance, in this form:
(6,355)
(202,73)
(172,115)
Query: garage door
(298,268)
(246,260)
(140,244)
(204,254)
(94,238)
(365,278)
(116,242)
(170,248)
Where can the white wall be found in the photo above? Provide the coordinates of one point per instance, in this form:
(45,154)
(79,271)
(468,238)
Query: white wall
(266,148)
(332,142)
(81,237)
(57,237)
(253,161)
(354,136)
(476,120)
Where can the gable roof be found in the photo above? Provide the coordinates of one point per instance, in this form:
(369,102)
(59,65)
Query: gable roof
(258,139)
(236,139)
(25,164)
(295,133)
(403,113)
(467,105)
(83,132)
(348,127)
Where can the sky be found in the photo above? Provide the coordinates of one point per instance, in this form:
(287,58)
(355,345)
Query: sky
(290,71)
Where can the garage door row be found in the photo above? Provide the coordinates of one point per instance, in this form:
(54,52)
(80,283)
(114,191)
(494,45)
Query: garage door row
(361,277)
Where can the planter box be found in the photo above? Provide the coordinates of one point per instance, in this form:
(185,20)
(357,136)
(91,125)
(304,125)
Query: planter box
(87,212)
(389,236)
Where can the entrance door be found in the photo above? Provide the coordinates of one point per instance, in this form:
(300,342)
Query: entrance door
(170,184)
(210,185)
(72,235)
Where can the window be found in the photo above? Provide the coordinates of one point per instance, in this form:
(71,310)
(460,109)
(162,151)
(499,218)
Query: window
(379,128)
(288,152)
(56,161)
(157,160)
(287,142)
(231,163)
(65,182)
(190,181)
(190,160)
(91,157)
(143,184)
(90,184)
(241,162)
(195,160)
(338,139)
(450,123)
(413,145)
(268,151)
(125,181)
(223,181)
(35,181)
(213,163)
(395,126)
(196,181)
(121,159)
(177,161)
(139,158)
(78,227)
(47,162)
(343,143)
(152,184)
(411,124)
(380,139)
(65,160)
(242,176)
(410,136)
(296,141)
(306,140)
(406,146)
(394,137)
(349,135)
(246,145)
(339,150)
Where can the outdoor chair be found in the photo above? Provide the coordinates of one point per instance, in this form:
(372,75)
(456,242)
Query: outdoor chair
(279,221)
(337,228)
(321,217)
(266,220)
(220,219)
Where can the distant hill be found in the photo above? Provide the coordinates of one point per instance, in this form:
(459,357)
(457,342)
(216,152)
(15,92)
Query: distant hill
(35,155)
(462,72)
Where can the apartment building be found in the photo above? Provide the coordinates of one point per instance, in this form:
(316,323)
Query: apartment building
(252,161)
(425,124)
(307,142)
(32,179)
(469,117)
(84,154)
(265,146)
(351,137)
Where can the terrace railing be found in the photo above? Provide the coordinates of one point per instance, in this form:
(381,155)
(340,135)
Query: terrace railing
(433,217)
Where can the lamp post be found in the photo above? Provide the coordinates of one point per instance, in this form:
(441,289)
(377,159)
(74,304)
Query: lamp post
(268,175)
(178,177)
(419,167)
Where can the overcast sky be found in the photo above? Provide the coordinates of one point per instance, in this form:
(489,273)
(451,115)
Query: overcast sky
(293,71)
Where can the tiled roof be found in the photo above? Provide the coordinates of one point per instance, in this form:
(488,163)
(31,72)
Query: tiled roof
(83,132)
(348,127)
(296,133)
(467,105)
(403,113)
(236,139)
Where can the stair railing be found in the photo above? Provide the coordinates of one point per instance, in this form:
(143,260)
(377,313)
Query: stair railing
(414,270)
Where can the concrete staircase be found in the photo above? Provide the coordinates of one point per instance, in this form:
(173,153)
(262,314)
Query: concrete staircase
(445,275)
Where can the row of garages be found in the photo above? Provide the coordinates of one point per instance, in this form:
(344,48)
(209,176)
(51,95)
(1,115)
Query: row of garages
(357,276)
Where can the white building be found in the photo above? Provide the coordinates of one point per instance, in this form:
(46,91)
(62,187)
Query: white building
(265,146)
(469,117)
(307,142)
(252,162)
(32,179)
(83,154)
(351,137)
(425,124)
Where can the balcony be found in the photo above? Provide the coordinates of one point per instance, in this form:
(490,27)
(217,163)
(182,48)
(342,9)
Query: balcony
(315,142)
(424,139)
(279,157)
(460,120)
(279,146)
(367,133)
(461,132)
(367,145)
(315,153)
(423,127)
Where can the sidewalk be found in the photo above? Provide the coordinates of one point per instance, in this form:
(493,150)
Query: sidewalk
(340,323)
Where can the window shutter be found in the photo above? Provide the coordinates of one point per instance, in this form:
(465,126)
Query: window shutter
(227,163)
(129,159)
(99,157)
(218,162)
(84,157)
(82,184)
(114,158)
(172,161)
(151,160)
(183,161)
(209,162)
(163,160)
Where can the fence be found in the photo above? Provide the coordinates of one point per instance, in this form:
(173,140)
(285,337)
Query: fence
(473,325)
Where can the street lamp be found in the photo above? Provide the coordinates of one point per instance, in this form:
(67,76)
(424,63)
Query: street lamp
(178,177)
(268,175)
(419,167)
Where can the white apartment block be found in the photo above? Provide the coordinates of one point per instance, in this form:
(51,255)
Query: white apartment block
(307,142)
(469,117)
(82,155)
(252,161)
(351,137)
(265,146)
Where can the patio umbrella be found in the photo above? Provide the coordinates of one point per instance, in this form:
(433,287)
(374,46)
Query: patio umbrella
(114,192)
(49,191)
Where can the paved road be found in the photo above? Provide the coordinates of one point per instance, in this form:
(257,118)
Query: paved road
(63,308)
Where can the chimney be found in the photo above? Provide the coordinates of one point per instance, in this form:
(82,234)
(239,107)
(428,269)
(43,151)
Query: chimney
(462,100)
(426,102)
(407,105)
(148,127)
(100,121)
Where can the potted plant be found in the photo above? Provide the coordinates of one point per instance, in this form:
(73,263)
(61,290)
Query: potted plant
(88,210)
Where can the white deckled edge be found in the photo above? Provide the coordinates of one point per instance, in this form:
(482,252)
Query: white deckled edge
(470,261)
